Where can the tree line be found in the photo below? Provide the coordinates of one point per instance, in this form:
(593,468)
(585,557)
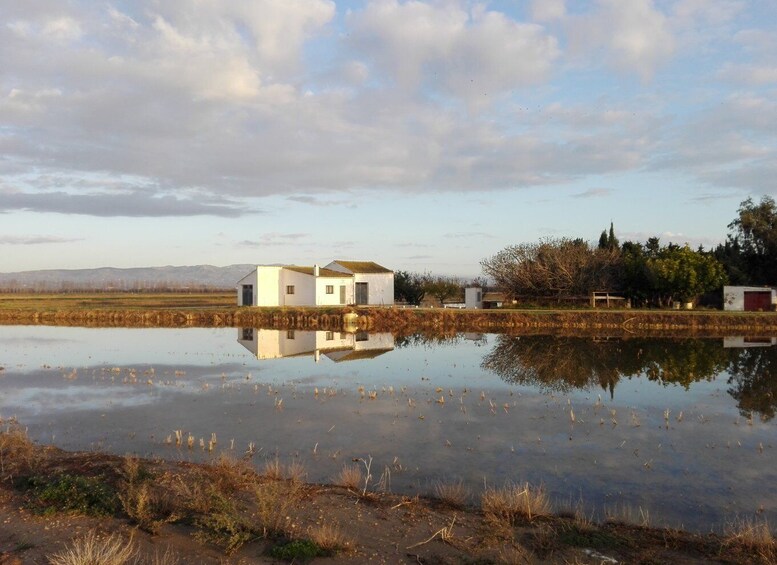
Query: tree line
(649,273)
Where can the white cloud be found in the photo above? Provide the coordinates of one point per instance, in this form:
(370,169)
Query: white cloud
(632,36)
(548,10)
(756,75)
(445,47)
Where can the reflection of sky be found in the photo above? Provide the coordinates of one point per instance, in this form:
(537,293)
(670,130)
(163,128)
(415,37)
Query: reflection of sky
(699,471)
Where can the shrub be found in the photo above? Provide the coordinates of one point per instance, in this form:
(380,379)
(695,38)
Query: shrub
(73,493)
(91,550)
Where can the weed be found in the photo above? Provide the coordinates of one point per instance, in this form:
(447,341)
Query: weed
(17,451)
(274,501)
(513,502)
(273,469)
(139,501)
(596,538)
(73,493)
(350,477)
(296,472)
(454,494)
(330,538)
(514,555)
(224,526)
(168,557)
(230,474)
(297,550)
(753,535)
(90,549)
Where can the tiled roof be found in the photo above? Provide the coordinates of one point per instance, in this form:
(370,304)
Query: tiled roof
(363,267)
(321,271)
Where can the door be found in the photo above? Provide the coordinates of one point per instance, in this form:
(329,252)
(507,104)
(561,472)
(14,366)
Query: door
(342,294)
(758,301)
(248,295)
(362,293)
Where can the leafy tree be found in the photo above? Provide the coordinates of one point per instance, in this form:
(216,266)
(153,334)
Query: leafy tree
(553,267)
(755,233)
(679,273)
(443,288)
(410,287)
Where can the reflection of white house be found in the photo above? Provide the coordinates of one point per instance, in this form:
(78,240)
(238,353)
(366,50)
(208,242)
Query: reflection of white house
(742,341)
(339,283)
(749,298)
(338,346)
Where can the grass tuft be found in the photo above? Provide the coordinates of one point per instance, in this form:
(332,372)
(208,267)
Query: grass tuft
(330,538)
(94,550)
(514,502)
(754,536)
(454,494)
(350,477)
(224,526)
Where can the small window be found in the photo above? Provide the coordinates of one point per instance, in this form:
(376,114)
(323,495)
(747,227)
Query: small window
(290,334)
(330,336)
(330,289)
(289,289)
(362,336)
(248,334)
(343,336)
(480,297)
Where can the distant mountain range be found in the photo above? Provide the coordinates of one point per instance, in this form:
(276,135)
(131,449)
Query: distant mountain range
(108,278)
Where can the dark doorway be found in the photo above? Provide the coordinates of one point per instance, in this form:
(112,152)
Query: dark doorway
(362,293)
(756,301)
(248,295)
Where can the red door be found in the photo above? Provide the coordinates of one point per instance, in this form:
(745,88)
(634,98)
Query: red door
(758,301)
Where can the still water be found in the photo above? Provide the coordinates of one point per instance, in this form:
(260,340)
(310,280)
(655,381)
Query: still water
(678,431)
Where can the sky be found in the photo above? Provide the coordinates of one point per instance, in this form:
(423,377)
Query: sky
(424,135)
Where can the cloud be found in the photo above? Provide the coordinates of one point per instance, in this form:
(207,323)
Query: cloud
(446,48)
(548,10)
(593,193)
(35,239)
(756,75)
(134,204)
(275,239)
(469,235)
(632,36)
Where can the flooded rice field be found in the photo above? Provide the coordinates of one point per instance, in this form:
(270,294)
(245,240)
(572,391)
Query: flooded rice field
(676,433)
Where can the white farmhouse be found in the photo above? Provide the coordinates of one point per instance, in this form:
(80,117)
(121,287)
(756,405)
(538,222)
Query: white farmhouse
(373,284)
(339,283)
(337,346)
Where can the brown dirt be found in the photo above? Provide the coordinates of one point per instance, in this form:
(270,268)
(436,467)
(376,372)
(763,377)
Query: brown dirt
(378,527)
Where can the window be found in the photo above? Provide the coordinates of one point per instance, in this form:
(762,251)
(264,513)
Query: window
(330,336)
(248,334)
(330,289)
(479,297)
(290,334)
(289,289)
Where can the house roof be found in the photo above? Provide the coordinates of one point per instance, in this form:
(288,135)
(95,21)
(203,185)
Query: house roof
(322,272)
(363,267)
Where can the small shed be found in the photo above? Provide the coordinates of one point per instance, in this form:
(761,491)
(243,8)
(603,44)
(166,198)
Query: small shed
(749,298)
(475,298)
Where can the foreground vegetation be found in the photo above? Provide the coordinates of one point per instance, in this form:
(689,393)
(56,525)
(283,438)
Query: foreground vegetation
(128,510)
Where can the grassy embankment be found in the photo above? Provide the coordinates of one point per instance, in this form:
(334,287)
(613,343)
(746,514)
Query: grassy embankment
(56,507)
(218,310)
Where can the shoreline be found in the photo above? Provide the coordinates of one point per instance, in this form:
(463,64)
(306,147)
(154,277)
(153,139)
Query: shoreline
(404,321)
(225,509)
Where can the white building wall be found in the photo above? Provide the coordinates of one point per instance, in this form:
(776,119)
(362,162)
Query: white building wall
(473,298)
(250,278)
(374,341)
(266,288)
(324,299)
(734,296)
(304,288)
(381,287)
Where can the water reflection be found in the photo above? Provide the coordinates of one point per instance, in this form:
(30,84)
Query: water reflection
(337,346)
(562,364)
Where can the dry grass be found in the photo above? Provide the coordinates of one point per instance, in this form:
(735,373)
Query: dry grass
(754,536)
(230,474)
(94,550)
(454,494)
(514,555)
(140,500)
(350,477)
(17,451)
(513,502)
(274,502)
(296,472)
(273,469)
(330,538)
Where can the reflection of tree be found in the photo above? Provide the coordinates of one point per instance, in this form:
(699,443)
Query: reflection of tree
(753,380)
(427,340)
(565,363)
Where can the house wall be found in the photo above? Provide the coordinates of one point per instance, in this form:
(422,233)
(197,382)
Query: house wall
(381,287)
(373,341)
(250,278)
(304,289)
(324,299)
(266,289)
(734,296)
(473,298)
